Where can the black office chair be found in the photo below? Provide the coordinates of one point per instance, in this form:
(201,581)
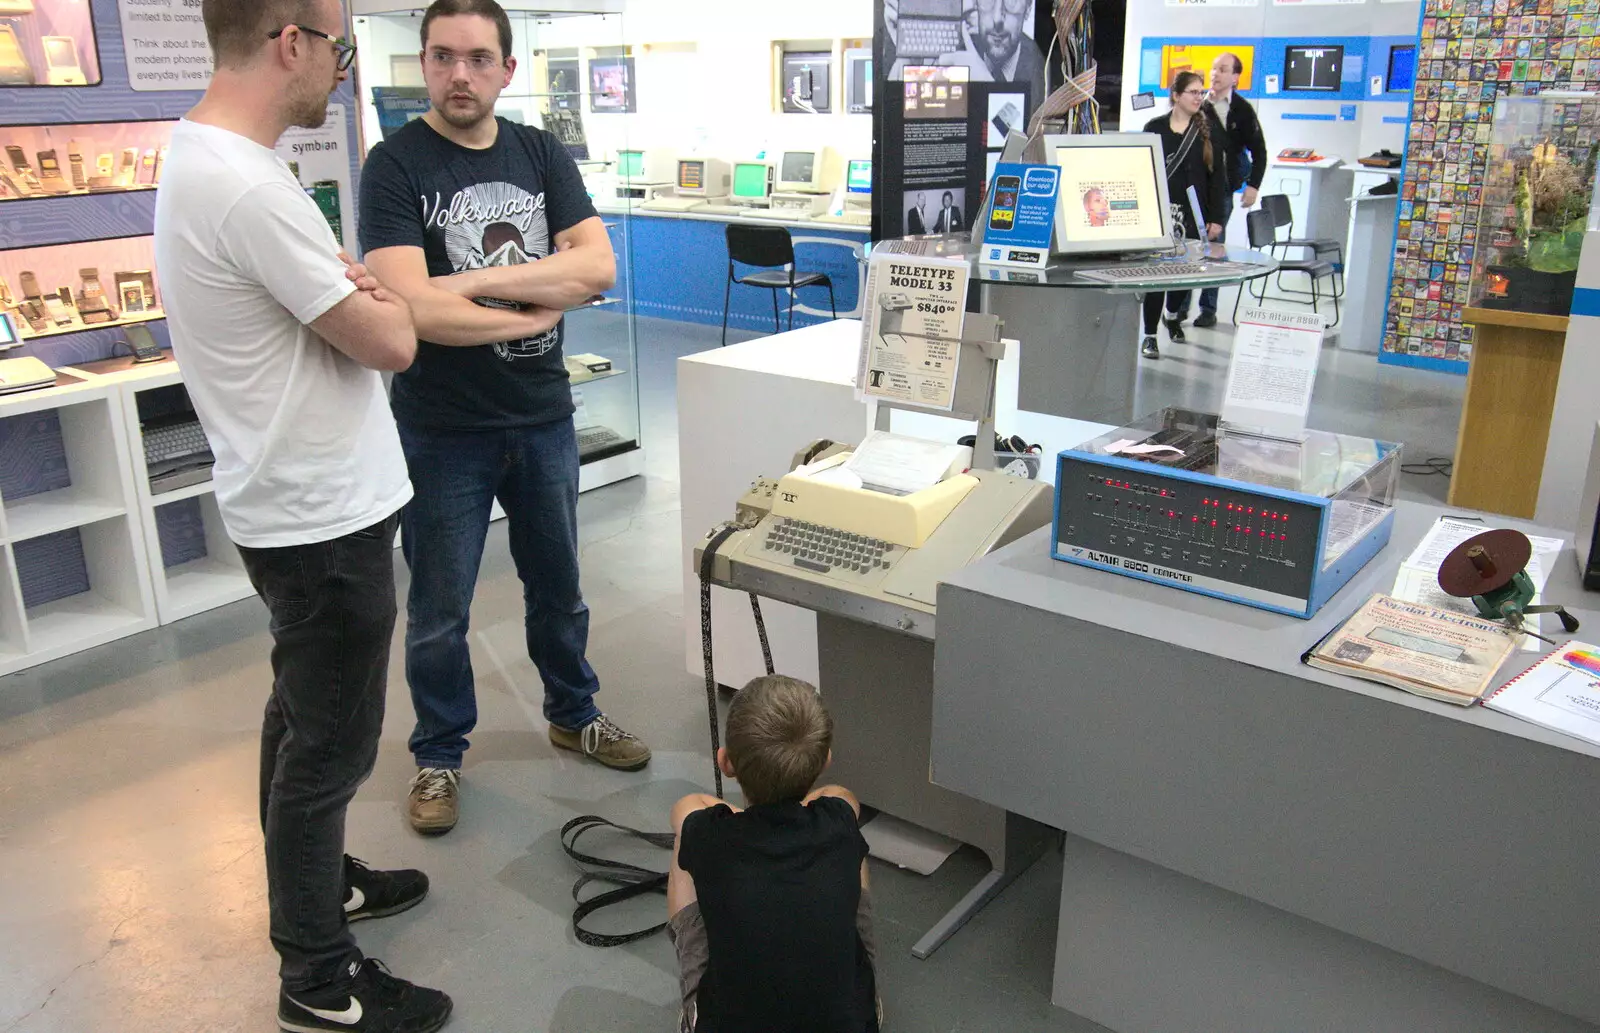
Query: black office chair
(1320,247)
(1261,229)
(768,247)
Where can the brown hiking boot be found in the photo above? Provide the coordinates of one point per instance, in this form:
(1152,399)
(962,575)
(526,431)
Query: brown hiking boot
(605,742)
(435,802)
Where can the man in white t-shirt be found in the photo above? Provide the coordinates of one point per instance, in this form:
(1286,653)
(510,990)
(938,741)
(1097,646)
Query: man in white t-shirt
(281,338)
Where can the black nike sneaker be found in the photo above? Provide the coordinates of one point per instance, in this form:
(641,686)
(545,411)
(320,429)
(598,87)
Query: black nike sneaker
(369,893)
(370,1001)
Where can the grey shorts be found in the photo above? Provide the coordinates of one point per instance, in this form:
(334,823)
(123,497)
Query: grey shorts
(687,931)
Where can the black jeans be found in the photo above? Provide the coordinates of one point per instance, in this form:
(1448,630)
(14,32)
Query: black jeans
(1177,307)
(332,606)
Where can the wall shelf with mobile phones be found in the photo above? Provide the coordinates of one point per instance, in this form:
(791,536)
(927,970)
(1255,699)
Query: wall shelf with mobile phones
(78,328)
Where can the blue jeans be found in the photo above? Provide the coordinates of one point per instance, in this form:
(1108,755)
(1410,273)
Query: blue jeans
(457,475)
(332,620)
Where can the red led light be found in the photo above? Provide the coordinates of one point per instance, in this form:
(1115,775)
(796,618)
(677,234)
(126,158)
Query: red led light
(1163,493)
(1213,523)
(1108,482)
(1194,519)
(1252,509)
(1263,534)
(1171,514)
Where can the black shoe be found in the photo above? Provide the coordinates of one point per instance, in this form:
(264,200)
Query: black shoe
(1149,349)
(370,1001)
(374,894)
(1205,319)
(1174,330)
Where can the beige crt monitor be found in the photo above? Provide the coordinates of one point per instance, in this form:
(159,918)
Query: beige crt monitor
(808,171)
(1113,195)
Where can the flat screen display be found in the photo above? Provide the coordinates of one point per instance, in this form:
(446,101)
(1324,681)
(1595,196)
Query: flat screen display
(1313,69)
(749,179)
(1113,193)
(858,180)
(1402,69)
(798,167)
(8,330)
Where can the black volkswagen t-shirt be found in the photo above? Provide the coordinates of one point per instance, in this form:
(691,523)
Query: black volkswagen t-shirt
(779,885)
(468,209)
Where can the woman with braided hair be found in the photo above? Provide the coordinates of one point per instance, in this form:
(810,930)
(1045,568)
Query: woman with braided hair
(1196,158)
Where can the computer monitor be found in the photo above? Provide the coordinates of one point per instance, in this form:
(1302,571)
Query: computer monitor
(646,166)
(703,177)
(8,331)
(1312,69)
(858,176)
(858,81)
(1113,196)
(804,172)
(1402,69)
(752,181)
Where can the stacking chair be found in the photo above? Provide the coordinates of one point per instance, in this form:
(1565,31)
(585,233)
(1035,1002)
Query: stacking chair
(771,249)
(1261,229)
(1319,247)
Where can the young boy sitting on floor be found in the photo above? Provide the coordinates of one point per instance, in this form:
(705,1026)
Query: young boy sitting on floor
(769,907)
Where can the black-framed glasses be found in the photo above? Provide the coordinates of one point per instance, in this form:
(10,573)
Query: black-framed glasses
(344,51)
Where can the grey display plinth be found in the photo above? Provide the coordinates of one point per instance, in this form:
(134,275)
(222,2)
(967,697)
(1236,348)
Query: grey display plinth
(878,686)
(1080,338)
(1257,846)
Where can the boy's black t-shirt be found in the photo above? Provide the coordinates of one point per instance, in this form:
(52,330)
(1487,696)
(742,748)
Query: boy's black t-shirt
(468,209)
(778,886)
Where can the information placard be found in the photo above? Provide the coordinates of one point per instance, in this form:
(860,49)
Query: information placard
(165,44)
(320,160)
(1021,215)
(1273,371)
(911,336)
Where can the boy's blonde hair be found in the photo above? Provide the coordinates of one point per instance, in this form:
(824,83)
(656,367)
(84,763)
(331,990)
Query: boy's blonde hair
(779,735)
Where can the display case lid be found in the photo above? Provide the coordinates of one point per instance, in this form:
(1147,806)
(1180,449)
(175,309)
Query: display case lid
(1324,464)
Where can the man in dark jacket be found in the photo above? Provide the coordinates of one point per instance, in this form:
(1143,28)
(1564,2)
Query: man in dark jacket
(1246,150)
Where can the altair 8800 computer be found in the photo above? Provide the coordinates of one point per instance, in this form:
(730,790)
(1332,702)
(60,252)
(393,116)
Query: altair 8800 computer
(1179,500)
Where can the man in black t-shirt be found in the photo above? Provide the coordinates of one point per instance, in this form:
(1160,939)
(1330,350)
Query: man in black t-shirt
(485,229)
(768,907)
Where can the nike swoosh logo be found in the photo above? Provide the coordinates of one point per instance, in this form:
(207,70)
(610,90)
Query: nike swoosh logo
(348,1017)
(357,898)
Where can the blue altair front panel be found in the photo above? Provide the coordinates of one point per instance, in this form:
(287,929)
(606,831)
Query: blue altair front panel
(1207,534)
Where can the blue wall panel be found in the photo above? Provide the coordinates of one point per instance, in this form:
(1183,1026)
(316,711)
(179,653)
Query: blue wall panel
(680,266)
(182,531)
(39,221)
(33,458)
(51,567)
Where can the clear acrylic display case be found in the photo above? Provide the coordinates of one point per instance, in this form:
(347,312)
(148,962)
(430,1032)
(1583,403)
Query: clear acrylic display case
(1537,198)
(571,63)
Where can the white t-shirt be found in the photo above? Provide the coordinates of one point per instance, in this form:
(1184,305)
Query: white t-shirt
(306,447)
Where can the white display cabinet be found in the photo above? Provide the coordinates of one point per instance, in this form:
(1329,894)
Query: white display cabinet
(194,566)
(73,566)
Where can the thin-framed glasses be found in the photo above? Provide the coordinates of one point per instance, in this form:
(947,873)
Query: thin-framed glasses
(479,64)
(344,52)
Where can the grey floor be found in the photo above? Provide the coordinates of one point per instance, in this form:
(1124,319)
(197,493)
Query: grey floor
(132,896)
